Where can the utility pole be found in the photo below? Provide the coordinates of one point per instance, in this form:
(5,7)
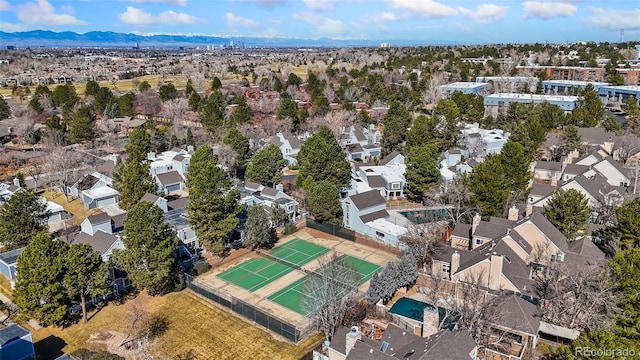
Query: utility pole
(635,181)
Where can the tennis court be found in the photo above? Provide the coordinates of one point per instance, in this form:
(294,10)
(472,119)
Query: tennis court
(292,295)
(256,273)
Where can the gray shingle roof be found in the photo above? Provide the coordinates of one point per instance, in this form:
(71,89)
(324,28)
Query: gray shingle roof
(375,181)
(98,218)
(11,257)
(100,241)
(367,199)
(549,230)
(380,214)
(12,332)
(515,313)
(170,178)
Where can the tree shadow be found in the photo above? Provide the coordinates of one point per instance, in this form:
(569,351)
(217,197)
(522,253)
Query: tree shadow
(49,348)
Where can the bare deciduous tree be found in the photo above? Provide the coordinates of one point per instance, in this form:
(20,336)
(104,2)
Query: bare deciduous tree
(580,298)
(424,241)
(330,293)
(456,202)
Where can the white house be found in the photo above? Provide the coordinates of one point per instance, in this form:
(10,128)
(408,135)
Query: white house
(477,142)
(289,146)
(366,214)
(257,194)
(387,177)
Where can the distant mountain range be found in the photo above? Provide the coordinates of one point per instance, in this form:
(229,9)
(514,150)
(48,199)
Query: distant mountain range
(44,38)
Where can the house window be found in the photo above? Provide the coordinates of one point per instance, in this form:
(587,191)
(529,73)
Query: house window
(395,186)
(346,214)
(478,241)
(169,168)
(446,267)
(379,234)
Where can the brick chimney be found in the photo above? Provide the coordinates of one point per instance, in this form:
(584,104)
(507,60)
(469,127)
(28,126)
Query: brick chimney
(352,336)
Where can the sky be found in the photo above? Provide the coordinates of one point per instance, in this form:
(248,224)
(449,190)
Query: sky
(456,21)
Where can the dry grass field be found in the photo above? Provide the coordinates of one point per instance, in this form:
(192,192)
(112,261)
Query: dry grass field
(196,330)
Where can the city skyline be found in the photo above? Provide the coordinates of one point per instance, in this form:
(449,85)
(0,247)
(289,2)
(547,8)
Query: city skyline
(463,21)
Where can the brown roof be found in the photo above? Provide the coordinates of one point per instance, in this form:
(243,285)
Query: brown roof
(87,182)
(179,157)
(462,231)
(118,220)
(170,178)
(367,199)
(354,148)
(269,191)
(150,198)
(294,142)
(359,133)
(380,214)
(586,247)
(575,169)
(542,190)
(179,203)
(100,241)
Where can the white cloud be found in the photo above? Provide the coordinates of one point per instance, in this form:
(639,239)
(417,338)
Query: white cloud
(319,4)
(67,9)
(386,16)
(170,2)
(233,20)
(42,12)
(486,13)
(548,10)
(608,19)
(324,25)
(330,27)
(267,4)
(138,17)
(311,18)
(9,27)
(426,8)
(4,5)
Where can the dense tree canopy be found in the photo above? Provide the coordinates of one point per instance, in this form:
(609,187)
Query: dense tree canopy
(150,258)
(322,158)
(39,293)
(85,274)
(324,203)
(240,145)
(589,111)
(167,92)
(569,211)
(265,167)
(213,200)
(81,128)
(625,234)
(487,182)
(214,111)
(423,171)
(21,217)
(257,229)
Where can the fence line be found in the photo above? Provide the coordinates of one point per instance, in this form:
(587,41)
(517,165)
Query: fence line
(333,229)
(251,312)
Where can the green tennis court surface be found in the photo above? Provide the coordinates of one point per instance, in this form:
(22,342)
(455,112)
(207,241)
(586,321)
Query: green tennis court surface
(256,273)
(292,295)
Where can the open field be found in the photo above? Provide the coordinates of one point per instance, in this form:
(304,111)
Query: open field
(196,329)
(5,287)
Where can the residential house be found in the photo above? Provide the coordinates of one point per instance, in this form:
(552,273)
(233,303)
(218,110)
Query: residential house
(16,343)
(101,231)
(549,172)
(156,200)
(171,160)
(169,181)
(179,220)
(477,142)
(289,146)
(265,196)
(91,181)
(55,212)
(361,143)
(8,262)
(366,214)
(387,177)
(510,84)
(100,197)
(398,344)
(505,254)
